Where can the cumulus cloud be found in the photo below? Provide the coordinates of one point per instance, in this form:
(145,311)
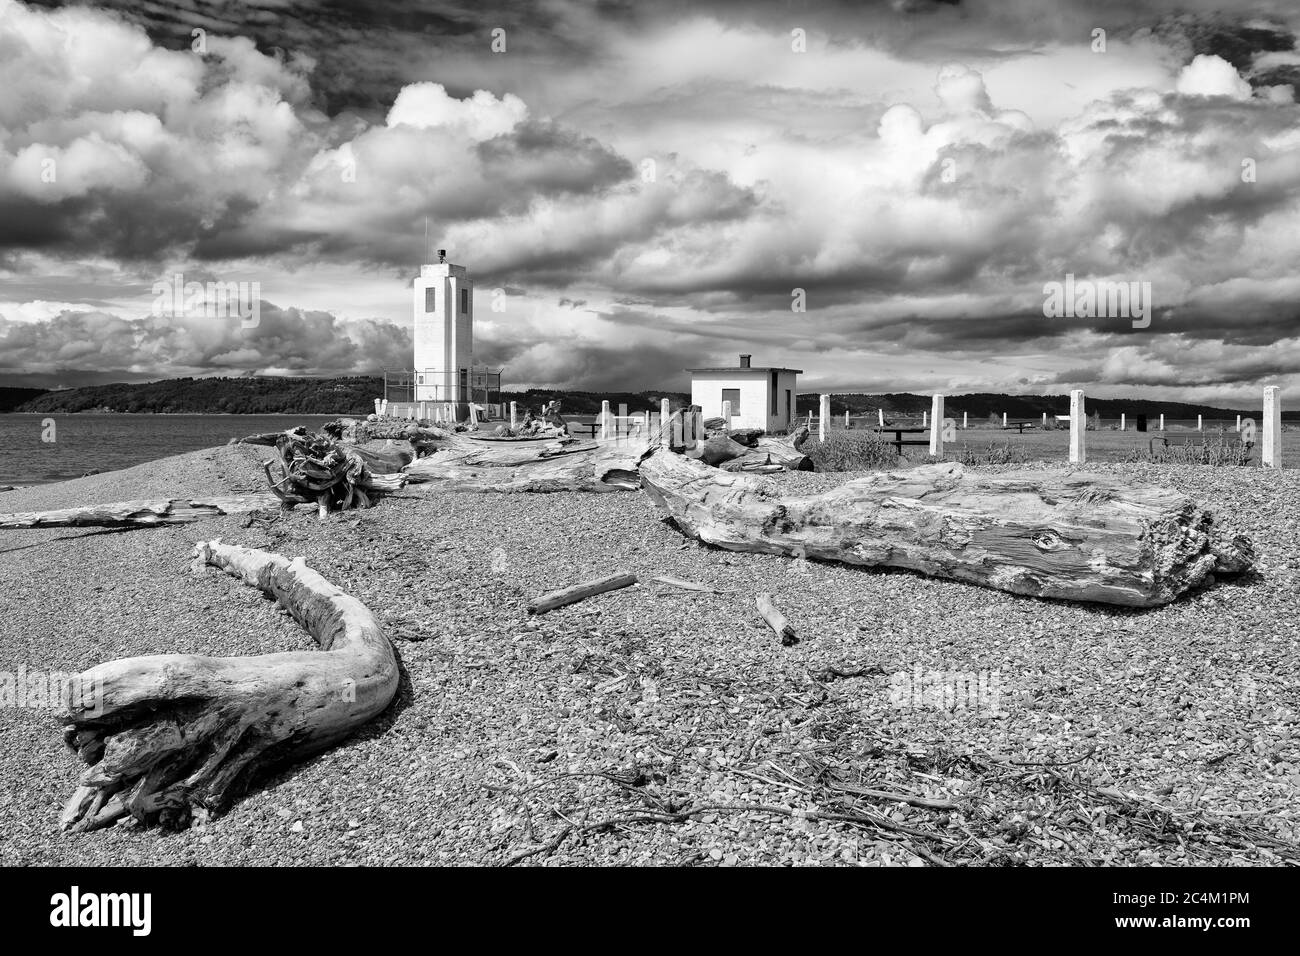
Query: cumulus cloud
(1212,76)
(918,177)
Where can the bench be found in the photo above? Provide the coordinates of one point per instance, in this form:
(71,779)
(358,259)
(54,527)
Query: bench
(899,441)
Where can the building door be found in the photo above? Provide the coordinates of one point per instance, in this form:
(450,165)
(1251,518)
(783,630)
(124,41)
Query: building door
(789,411)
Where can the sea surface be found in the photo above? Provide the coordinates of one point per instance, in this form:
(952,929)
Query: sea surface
(87,442)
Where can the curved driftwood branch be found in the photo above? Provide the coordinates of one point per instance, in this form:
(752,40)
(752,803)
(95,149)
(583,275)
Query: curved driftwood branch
(170,734)
(1079,537)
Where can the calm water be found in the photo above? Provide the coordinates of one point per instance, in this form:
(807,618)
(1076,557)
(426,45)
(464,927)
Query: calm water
(84,442)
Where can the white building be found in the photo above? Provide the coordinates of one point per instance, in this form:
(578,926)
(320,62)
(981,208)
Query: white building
(760,397)
(444,333)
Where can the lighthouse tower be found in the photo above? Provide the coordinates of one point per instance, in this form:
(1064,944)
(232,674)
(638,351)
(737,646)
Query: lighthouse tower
(444,335)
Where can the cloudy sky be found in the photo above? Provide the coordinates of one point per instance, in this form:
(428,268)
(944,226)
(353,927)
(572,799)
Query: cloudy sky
(648,184)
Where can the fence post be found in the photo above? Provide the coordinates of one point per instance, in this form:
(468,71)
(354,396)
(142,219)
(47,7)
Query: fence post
(1044,419)
(1198,424)
(925,419)
(936,426)
(665,415)
(1004,419)
(1238,423)
(846,418)
(1271,452)
(823,416)
(514,415)
(604,419)
(1078,425)
(880,414)
(726,415)
(963,419)
(1162,421)
(1123,421)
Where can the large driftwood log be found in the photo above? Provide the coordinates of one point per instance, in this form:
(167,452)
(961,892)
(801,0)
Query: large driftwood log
(140,513)
(466,464)
(169,734)
(1079,537)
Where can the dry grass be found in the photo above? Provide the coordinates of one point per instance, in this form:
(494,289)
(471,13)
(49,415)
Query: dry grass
(851,451)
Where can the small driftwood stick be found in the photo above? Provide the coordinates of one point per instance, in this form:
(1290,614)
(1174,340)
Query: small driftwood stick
(776,620)
(685,585)
(578,592)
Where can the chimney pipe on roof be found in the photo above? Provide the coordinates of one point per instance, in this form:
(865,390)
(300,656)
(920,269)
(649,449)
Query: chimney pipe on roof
(744,360)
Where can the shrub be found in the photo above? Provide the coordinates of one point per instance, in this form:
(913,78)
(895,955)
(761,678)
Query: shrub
(995,454)
(850,451)
(1217,449)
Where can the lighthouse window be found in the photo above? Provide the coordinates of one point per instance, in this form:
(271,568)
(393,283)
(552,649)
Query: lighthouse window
(464,301)
(430,299)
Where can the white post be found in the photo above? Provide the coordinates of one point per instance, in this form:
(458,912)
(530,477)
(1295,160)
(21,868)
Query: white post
(726,414)
(963,419)
(1078,423)
(1123,421)
(514,414)
(925,423)
(824,416)
(1162,422)
(1238,423)
(936,426)
(846,418)
(604,419)
(881,413)
(377,405)
(1044,419)
(1271,452)
(1198,423)
(384,408)
(665,413)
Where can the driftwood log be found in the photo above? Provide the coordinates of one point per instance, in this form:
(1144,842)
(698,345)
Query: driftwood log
(1070,536)
(467,464)
(171,734)
(579,592)
(781,451)
(775,620)
(140,513)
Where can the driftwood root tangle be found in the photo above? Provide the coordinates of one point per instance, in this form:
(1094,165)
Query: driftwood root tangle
(1068,536)
(335,475)
(170,735)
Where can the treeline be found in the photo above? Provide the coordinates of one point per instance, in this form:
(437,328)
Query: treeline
(11,397)
(980,405)
(208,396)
(268,395)
(588,403)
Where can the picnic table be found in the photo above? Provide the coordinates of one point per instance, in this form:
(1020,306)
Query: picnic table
(899,432)
(1021,425)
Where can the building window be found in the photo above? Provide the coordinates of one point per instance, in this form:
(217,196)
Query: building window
(774,393)
(464,301)
(732,395)
(430,299)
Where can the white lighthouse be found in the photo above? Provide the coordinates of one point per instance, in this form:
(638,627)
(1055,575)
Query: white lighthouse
(444,335)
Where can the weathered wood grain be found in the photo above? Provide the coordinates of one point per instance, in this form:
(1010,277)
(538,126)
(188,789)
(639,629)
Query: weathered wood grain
(1052,535)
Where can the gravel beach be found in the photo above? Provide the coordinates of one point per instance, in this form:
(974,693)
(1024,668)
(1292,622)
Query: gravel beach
(592,734)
